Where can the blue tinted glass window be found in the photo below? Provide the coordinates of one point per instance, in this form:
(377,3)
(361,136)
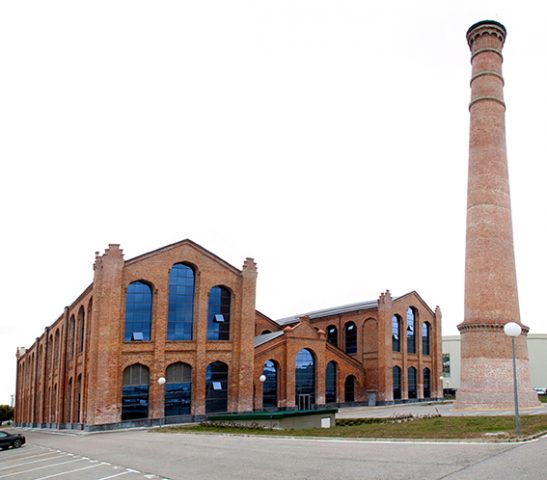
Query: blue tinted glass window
(181,303)
(304,377)
(412,391)
(216,381)
(396,333)
(351,338)
(349,391)
(410,331)
(396,383)
(427,383)
(138,311)
(330,383)
(269,388)
(218,323)
(178,389)
(332,335)
(135,392)
(426,344)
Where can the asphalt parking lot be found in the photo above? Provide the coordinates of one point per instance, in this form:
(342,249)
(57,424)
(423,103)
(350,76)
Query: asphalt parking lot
(35,462)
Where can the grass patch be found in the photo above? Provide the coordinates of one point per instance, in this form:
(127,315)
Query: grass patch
(486,427)
(542,398)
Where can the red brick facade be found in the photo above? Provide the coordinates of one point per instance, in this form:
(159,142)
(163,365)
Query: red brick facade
(73,374)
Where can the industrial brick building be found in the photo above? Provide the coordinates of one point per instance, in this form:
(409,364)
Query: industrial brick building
(174,335)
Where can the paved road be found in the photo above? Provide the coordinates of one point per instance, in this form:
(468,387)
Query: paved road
(143,454)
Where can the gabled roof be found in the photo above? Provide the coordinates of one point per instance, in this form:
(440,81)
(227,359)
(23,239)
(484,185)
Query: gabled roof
(189,242)
(260,339)
(326,312)
(414,292)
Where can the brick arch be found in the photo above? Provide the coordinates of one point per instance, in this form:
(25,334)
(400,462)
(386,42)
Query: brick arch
(370,335)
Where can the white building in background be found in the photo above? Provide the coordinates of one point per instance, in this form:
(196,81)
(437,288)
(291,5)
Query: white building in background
(537,352)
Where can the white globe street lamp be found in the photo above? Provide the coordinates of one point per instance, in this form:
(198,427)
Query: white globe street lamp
(513,330)
(262,378)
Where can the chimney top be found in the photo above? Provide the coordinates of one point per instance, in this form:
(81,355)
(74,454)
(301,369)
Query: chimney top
(487,22)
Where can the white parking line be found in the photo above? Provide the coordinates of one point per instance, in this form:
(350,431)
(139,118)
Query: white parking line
(112,476)
(22,455)
(39,468)
(28,463)
(69,471)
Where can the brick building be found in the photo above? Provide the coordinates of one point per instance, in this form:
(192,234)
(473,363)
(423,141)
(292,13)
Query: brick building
(174,334)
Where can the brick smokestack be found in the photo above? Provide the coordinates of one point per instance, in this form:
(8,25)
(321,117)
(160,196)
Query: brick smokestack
(491,296)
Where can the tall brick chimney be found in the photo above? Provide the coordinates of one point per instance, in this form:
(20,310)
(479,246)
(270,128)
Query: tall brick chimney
(491,296)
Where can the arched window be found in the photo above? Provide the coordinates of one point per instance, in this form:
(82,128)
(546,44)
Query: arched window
(269,387)
(81,326)
(218,324)
(396,383)
(50,352)
(54,409)
(349,389)
(138,311)
(135,392)
(304,379)
(410,331)
(178,389)
(216,381)
(330,383)
(351,338)
(57,346)
(412,390)
(78,397)
(180,318)
(69,402)
(427,383)
(72,330)
(396,333)
(426,342)
(332,335)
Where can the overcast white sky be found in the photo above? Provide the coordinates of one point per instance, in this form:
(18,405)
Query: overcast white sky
(325,138)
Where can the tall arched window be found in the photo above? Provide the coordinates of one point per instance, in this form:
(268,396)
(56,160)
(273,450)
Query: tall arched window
(69,402)
(216,384)
(269,387)
(57,347)
(218,323)
(50,352)
(396,383)
(351,337)
(396,333)
(332,335)
(180,318)
(330,383)
(72,330)
(78,397)
(426,342)
(178,389)
(304,381)
(81,326)
(412,389)
(427,383)
(135,392)
(410,331)
(138,311)
(349,389)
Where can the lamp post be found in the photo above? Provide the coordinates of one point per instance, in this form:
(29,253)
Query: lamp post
(513,330)
(262,379)
(161,383)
